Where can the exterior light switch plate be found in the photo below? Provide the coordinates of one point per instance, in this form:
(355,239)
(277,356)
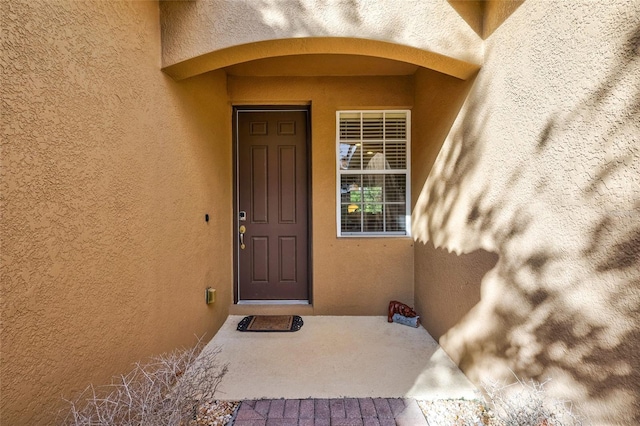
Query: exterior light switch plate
(210,295)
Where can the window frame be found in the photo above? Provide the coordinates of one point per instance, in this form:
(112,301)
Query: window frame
(362,172)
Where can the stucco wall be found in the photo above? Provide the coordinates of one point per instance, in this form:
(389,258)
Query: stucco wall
(351,276)
(191,29)
(108,168)
(542,168)
(437,101)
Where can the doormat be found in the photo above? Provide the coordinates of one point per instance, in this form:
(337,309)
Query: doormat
(270,323)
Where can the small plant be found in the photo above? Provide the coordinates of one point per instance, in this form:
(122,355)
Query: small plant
(164,391)
(525,403)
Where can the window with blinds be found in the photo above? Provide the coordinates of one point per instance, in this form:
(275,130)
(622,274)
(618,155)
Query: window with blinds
(373,172)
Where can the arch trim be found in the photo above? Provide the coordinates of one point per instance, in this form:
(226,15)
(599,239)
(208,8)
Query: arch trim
(320,45)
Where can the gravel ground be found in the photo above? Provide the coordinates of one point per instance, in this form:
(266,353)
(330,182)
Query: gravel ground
(214,413)
(457,412)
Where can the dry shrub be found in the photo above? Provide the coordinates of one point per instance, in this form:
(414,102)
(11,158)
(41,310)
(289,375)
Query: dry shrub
(164,391)
(526,403)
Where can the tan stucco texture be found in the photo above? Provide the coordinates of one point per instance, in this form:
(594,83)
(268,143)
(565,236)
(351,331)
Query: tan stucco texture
(194,29)
(108,169)
(533,204)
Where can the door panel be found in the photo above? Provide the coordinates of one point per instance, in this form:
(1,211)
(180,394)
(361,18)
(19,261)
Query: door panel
(259,180)
(272,190)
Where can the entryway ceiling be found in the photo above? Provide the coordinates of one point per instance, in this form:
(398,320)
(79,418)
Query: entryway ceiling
(321,65)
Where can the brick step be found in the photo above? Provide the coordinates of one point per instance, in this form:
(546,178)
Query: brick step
(330,412)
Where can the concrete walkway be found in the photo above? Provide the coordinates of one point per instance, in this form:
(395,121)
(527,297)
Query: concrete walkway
(333,358)
(330,412)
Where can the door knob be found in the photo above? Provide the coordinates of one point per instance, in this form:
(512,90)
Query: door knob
(242,230)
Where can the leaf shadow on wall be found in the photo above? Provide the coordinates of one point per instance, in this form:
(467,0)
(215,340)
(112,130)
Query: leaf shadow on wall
(298,17)
(551,307)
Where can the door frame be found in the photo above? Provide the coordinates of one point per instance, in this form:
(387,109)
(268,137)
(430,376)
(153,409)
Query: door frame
(237,109)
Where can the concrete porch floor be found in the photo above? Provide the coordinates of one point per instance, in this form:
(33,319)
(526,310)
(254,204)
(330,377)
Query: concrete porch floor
(335,357)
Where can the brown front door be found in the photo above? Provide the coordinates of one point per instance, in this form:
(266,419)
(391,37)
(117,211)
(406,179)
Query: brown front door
(272,222)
